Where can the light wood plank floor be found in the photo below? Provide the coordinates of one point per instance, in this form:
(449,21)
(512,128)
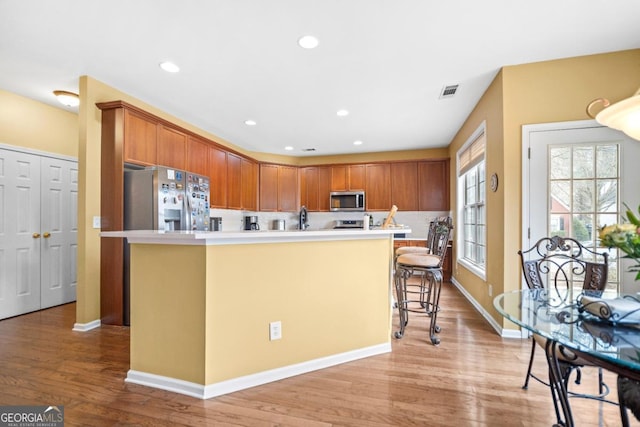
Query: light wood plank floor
(472,379)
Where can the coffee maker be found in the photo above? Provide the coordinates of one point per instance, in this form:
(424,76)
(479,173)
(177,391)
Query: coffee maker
(251,223)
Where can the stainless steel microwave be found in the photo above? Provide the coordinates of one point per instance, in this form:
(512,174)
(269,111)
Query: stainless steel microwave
(346,201)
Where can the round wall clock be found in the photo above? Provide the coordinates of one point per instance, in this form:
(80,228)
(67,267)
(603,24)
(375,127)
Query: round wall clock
(494,182)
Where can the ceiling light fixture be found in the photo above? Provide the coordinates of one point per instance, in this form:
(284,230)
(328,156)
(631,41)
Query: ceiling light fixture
(308,42)
(358,142)
(342,113)
(623,115)
(69,99)
(288,148)
(169,67)
(250,122)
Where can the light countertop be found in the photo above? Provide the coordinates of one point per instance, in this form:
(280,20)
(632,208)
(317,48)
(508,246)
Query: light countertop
(249,237)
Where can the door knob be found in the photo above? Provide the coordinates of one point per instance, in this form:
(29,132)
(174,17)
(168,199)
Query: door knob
(36,235)
(46,235)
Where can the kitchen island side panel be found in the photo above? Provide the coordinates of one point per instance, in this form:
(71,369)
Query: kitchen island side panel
(201,313)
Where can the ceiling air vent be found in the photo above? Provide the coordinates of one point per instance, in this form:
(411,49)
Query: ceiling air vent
(448,91)
(308,149)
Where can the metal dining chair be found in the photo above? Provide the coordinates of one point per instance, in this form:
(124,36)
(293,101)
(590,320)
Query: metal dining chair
(557,262)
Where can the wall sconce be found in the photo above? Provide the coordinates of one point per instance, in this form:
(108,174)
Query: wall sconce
(69,99)
(623,115)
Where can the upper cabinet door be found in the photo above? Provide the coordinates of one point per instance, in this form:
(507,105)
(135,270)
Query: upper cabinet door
(197,156)
(172,148)
(140,138)
(433,185)
(378,186)
(249,192)
(288,188)
(268,187)
(404,185)
(217,177)
(357,177)
(234,181)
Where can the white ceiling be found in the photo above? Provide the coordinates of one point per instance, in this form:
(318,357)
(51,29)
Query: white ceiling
(386,61)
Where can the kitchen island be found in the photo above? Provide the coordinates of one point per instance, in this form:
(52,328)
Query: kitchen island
(203,305)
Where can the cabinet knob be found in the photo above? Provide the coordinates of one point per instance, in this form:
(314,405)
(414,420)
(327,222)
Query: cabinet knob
(36,235)
(46,235)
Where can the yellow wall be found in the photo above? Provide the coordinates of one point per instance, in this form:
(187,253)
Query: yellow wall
(31,124)
(202,313)
(550,91)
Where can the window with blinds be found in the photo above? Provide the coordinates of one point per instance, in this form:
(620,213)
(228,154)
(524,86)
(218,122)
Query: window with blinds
(471,201)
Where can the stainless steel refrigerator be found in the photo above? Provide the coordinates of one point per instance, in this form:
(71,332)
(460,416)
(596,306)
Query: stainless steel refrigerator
(161,198)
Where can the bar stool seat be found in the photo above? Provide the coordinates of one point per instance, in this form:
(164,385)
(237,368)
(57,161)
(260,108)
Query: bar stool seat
(412,250)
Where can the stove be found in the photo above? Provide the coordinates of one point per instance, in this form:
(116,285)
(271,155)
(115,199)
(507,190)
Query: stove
(349,223)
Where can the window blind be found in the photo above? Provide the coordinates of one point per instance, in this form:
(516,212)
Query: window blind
(472,155)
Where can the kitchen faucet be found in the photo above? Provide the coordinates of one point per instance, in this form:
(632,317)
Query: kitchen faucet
(302,219)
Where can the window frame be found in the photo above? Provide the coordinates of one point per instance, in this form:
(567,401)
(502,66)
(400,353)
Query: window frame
(479,269)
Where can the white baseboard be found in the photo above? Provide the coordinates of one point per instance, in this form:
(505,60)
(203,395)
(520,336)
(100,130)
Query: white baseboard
(84,327)
(217,389)
(505,333)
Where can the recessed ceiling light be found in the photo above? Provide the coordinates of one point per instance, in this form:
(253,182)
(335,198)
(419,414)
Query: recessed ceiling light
(342,113)
(169,67)
(69,99)
(308,42)
(288,148)
(358,142)
(250,122)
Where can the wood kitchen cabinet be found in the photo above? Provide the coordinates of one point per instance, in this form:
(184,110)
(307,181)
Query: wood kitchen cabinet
(217,177)
(234,181)
(315,186)
(404,185)
(172,148)
(197,156)
(139,139)
(278,188)
(347,177)
(249,184)
(433,185)
(268,187)
(378,186)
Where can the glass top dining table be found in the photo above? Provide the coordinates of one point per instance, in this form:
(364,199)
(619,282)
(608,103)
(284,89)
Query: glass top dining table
(557,315)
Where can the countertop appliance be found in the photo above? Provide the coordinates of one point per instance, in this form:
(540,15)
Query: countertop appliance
(346,201)
(349,223)
(251,223)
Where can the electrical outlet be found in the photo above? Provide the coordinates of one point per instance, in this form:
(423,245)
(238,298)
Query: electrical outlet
(490,290)
(275,330)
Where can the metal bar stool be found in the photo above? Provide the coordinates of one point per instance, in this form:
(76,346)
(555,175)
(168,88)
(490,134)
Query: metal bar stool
(429,267)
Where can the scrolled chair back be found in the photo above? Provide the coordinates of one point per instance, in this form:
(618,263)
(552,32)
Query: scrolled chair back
(564,262)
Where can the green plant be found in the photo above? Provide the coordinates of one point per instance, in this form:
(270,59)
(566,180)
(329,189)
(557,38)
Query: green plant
(626,237)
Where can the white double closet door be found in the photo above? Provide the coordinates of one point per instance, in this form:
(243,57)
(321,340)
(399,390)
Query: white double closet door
(38,231)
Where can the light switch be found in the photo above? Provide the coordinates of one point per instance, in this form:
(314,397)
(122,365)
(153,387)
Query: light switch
(96,222)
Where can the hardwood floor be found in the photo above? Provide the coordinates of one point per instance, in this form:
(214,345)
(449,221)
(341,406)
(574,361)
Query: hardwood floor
(472,379)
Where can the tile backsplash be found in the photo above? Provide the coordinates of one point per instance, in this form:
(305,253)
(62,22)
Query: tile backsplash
(418,221)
